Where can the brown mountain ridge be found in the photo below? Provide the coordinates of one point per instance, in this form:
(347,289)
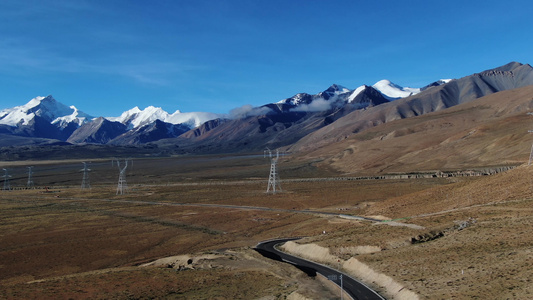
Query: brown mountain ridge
(489,131)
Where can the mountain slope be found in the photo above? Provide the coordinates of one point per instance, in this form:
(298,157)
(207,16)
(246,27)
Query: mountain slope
(489,131)
(99,131)
(303,122)
(281,124)
(153,131)
(466,89)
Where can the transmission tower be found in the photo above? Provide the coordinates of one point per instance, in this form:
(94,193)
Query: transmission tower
(6,176)
(273,179)
(85,183)
(531,152)
(122,186)
(30,184)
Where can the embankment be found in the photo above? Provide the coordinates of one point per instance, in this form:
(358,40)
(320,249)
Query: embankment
(391,288)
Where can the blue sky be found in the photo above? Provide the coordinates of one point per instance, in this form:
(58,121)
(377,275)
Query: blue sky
(107,56)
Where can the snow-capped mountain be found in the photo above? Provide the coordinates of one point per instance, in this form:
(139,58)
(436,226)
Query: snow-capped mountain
(331,95)
(47,118)
(307,121)
(338,96)
(393,91)
(356,92)
(77,117)
(136,117)
(45,107)
(303,120)
(43,117)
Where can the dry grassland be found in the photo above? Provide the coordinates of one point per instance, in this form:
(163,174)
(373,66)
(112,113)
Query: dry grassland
(490,258)
(72,243)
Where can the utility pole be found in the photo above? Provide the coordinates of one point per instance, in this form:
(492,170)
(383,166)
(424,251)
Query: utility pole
(342,290)
(30,183)
(334,278)
(273,178)
(85,183)
(6,176)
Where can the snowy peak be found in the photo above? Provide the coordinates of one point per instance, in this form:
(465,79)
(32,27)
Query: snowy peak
(45,107)
(77,117)
(135,117)
(148,115)
(297,99)
(336,89)
(393,91)
(126,117)
(335,97)
(333,92)
(48,108)
(355,93)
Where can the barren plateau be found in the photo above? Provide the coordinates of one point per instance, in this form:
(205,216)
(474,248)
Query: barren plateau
(187,227)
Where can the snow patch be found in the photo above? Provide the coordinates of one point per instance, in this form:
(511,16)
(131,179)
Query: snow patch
(355,93)
(393,91)
(295,100)
(77,117)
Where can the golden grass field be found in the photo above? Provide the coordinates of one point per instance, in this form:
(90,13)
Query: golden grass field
(66,242)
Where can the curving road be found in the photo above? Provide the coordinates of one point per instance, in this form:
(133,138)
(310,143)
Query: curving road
(352,287)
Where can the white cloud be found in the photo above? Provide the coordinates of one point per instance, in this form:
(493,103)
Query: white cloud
(248,111)
(316,105)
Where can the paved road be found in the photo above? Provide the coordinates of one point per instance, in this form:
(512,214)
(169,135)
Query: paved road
(351,286)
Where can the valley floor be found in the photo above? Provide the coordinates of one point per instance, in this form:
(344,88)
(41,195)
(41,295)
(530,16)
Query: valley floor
(472,238)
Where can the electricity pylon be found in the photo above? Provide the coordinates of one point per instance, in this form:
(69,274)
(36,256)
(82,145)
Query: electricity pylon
(85,182)
(122,186)
(6,176)
(30,183)
(273,179)
(531,152)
